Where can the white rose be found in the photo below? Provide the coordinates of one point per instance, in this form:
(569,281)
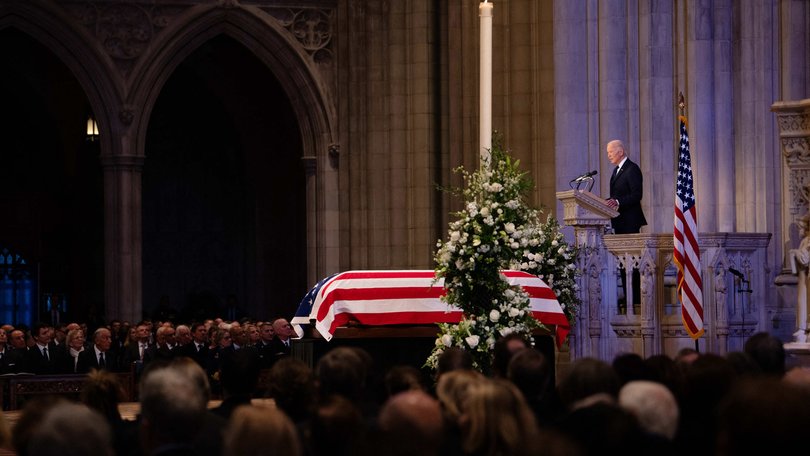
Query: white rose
(514,312)
(447,340)
(472,341)
(455,236)
(554,243)
(484,212)
(494,315)
(509,227)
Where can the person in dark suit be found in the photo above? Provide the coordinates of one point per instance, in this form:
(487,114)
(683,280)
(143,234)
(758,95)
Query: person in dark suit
(41,358)
(10,359)
(626,190)
(281,345)
(98,357)
(198,348)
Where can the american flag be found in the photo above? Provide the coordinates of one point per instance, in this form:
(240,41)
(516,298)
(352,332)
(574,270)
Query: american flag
(687,253)
(408,297)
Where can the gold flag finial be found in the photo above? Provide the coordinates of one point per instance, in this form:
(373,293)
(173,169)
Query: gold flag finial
(681,103)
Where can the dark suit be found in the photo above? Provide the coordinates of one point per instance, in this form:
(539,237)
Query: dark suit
(11,361)
(627,188)
(36,363)
(190,350)
(87,361)
(278,349)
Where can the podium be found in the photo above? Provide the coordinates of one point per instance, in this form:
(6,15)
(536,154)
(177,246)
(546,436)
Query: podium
(587,213)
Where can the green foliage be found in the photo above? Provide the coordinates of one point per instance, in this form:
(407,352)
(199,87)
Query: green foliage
(497,230)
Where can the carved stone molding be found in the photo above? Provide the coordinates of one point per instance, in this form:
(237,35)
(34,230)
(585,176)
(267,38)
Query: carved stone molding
(124,30)
(311,27)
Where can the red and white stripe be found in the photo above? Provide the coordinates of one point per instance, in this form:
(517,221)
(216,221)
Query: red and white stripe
(412,298)
(687,260)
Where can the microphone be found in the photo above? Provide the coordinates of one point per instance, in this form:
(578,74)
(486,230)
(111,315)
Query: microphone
(585,176)
(736,273)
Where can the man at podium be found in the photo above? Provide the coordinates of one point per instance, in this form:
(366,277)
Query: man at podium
(626,189)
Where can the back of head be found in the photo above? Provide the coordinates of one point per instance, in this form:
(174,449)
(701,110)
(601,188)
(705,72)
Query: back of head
(452,391)
(338,428)
(768,352)
(70,429)
(496,420)
(173,403)
(342,371)
(399,379)
(453,358)
(102,392)
(411,423)
(505,348)
(762,412)
(630,367)
(588,376)
(653,405)
(292,386)
(531,373)
(261,431)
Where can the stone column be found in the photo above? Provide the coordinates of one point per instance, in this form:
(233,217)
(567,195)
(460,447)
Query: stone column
(123,279)
(723,108)
(700,98)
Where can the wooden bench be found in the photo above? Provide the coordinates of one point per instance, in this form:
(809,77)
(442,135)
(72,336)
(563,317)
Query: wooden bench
(16,389)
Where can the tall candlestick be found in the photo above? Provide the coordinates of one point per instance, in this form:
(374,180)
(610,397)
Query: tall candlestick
(485,92)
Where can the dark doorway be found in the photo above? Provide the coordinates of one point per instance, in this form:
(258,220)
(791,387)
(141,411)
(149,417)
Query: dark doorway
(50,187)
(223,190)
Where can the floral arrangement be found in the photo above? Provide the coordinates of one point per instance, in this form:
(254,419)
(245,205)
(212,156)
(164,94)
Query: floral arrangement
(497,230)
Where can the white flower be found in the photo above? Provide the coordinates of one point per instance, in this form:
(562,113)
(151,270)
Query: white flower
(447,340)
(455,236)
(509,227)
(494,315)
(554,243)
(514,312)
(495,187)
(472,341)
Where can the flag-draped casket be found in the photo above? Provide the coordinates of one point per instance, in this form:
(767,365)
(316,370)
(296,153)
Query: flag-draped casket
(378,298)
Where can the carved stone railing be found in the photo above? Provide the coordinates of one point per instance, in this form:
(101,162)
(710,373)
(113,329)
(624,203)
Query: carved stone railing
(613,321)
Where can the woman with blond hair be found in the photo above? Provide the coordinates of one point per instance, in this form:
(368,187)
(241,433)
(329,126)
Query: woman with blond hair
(496,420)
(261,431)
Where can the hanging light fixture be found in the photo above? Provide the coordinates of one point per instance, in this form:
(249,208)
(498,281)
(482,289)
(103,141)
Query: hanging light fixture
(92,128)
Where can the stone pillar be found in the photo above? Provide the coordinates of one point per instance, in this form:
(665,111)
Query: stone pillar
(311,184)
(700,98)
(723,108)
(613,108)
(123,279)
(573,152)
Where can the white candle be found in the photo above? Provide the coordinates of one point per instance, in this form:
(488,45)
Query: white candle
(485,92)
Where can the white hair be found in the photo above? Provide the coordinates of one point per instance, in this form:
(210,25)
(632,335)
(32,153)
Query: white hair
(653,405)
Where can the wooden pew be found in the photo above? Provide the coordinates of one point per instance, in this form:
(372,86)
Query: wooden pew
(21,387)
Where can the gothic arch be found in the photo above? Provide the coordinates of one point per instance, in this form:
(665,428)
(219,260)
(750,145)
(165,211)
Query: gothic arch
(72,47)
(265,38)
(300,79)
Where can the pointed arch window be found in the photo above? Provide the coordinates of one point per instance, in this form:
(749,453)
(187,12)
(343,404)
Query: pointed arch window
(17,288)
